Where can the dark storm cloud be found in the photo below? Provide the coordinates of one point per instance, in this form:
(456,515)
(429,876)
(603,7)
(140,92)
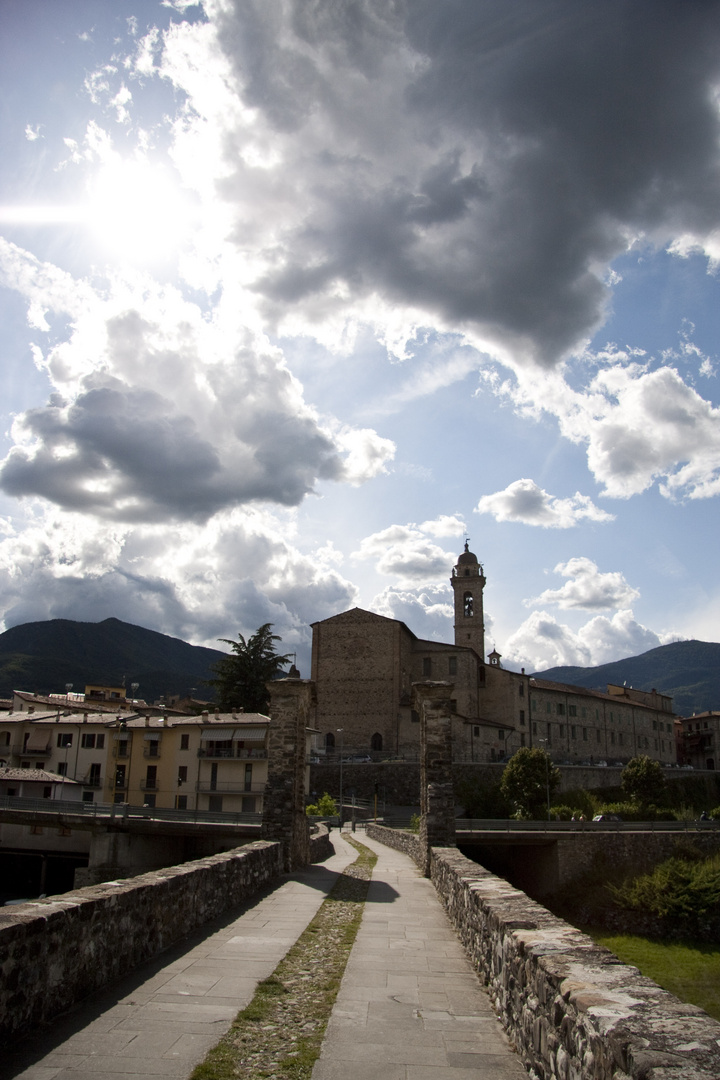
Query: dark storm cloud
(479,160)
(129,455)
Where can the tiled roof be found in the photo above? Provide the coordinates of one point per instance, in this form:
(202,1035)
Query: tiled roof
(40,775)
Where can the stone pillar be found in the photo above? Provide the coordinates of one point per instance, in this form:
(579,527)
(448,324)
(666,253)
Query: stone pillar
(437,802)
(284,817)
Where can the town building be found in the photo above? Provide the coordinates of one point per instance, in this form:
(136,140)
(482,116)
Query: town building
(364,665)
(698,740)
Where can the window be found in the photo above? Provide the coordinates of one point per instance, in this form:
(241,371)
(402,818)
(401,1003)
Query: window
(572,710)
(584,730)
(376,742)
(583,712)
(468,605)
(521,689)
(329,741)
(414,717)
(522,718)
(151,777)
(118,797)
(122,750)
(47,792)
(182,774)
(181,802)
(64,738)
(427,665)
(522,738)
(62,768)
(88,796)
(87,740)
(573,731)
(149,801)
(620,737)
(612,737)
(562,731)
(654,725)
(248,804)
(452,665)
(94,777)
(184,745)
(248,777)
(560,709)
(120,781)
(534,727)
(548,707)
(215,803)
(476,731)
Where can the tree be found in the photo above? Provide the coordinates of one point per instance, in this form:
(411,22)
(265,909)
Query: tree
(643,781)
(241,677)
(526,779)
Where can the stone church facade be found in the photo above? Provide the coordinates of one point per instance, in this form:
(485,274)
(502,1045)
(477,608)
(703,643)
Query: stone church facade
(364,665)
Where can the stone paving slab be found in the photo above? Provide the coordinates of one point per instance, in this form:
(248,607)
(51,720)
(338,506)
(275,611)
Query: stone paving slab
(410,1006)
(161,1020)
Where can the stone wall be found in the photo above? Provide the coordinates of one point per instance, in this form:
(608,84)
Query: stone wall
(572,1010)
(55,952)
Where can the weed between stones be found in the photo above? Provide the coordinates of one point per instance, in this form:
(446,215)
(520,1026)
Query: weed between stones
(279,1035)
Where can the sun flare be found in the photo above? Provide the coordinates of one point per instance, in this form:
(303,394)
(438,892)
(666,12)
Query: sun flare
(137,210)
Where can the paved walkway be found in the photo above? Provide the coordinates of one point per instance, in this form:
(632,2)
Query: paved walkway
(162,1019)
(409,1008)
(410,1005)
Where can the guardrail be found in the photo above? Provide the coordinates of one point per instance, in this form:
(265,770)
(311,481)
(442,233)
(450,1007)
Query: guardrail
(124,811)
(510,825)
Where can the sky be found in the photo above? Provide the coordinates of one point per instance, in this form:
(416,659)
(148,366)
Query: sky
(296,296)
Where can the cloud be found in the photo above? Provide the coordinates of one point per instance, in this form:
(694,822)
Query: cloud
(427,611)
(542,642)
(525,502)
(461,166)
(587,588)
(162,412)
(403,551)
(444,525)
(196,582)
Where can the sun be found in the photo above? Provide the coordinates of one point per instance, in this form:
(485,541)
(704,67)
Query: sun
(137,211)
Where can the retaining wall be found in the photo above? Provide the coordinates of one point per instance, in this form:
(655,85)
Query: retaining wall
(55,952)
(573,1011)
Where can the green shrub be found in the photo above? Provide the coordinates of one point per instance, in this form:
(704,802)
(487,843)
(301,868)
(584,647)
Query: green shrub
(715,813)
(325,807)
(415,823)
(562,813)
(686,892)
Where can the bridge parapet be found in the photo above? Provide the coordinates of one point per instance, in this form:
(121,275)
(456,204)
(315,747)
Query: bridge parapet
(570,1007)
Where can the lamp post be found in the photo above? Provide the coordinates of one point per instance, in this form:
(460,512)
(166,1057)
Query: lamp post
(547,777)
(340,732)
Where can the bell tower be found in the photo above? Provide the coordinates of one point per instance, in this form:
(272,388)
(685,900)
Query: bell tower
(468,582)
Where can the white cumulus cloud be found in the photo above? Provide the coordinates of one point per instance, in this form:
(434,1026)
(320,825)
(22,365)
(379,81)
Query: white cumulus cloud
(587,588)
(525,502)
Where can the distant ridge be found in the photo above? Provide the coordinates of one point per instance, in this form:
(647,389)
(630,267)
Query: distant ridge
(689,671)
(43,656)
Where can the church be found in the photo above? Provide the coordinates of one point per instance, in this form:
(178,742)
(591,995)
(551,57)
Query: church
(364,665)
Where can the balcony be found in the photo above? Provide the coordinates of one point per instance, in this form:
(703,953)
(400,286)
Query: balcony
(121,750)
(35,751)
(228,787)
(92,781)
(243,753)
(152,750)
(121,783)
(148,785)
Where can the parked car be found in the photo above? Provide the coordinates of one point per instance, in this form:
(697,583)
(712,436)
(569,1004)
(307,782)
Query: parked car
(607,817)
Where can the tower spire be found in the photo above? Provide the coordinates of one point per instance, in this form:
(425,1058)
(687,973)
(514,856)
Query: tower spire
(468,582)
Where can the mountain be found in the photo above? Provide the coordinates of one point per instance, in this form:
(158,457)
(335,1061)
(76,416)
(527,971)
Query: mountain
(43,656)
(689,671)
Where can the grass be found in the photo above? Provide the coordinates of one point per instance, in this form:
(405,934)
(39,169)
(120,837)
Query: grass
(280,1033)
(690,970)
